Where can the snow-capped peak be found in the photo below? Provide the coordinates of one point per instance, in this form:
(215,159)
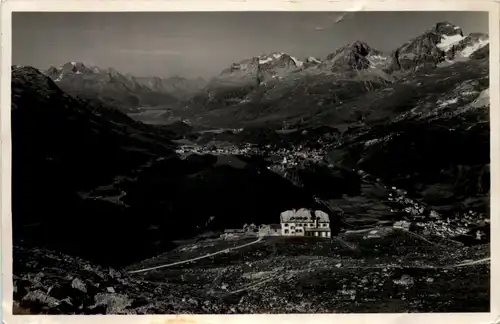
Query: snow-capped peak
(450,35)
(263,59)
(447,42)
(277,55)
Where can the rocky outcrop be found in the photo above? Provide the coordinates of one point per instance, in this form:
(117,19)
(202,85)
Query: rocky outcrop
(277,66)
(311,61)
(355,56)
(425,50)
(61,284)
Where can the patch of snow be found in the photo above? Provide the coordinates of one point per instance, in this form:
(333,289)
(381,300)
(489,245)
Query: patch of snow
(466,52)
(297,62)
(376,60)
(59,78)
(264,61)
(469,93)
(447,42)
(379,57)
(78,72)
(312,59)
(244,101)
(377,140)
(445,103)
(189,248)
(73,63)
(456,27)
(277,55)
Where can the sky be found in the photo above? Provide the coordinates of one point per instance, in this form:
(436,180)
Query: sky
(196,44)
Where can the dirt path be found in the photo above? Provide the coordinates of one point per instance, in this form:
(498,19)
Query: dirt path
(470,263)
(197,258)
(255,284)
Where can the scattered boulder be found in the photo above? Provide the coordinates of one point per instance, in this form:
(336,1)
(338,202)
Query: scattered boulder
(115,303)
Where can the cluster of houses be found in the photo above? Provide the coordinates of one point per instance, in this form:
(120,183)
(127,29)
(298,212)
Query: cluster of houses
(301,222)
(211,149)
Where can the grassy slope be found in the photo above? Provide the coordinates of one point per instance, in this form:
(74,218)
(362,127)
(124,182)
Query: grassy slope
(392,273)
(386,271)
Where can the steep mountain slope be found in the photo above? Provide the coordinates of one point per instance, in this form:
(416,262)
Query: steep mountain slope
(434,143)
(444,42)
(235,82)
(89,181)
(108,86)
(355,56)
(62,148)
(470,45)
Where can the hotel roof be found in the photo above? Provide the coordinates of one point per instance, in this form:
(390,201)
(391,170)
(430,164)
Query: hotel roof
(303,215)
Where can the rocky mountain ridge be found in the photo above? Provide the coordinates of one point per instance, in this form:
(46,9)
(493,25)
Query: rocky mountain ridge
(267,75)
(124,91)
(279,83)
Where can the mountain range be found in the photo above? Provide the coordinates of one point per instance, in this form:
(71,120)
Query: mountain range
(290,88)
(270,77)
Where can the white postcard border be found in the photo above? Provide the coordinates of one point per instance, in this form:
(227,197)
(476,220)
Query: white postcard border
(249,5)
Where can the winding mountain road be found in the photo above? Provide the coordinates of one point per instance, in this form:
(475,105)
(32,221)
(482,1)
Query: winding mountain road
(197,258)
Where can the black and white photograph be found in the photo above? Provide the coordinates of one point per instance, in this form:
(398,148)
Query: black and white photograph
(250,162)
